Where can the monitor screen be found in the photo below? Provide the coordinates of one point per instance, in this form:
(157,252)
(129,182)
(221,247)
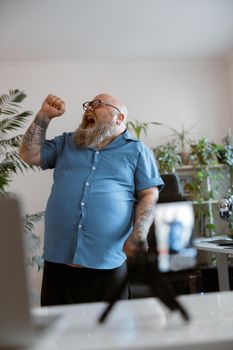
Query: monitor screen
(173,232)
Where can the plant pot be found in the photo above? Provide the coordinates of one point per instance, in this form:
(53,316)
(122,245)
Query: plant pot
(185,157)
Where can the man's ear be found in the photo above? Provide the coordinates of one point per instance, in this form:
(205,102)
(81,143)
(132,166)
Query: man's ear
(120,118)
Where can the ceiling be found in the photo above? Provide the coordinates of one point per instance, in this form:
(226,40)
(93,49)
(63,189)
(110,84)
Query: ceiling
(115,30)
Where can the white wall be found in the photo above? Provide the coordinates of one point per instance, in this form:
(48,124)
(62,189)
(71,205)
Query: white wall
(230,82)
(168,92)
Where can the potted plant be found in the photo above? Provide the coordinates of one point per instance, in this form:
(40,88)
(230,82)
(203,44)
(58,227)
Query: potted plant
(11,119)
(167,157)
(203,188)
(139,127)
(224,151)
(203,153)
(181,138)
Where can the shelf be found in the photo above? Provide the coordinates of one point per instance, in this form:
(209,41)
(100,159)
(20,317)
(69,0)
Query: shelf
(212,201)
(192,167)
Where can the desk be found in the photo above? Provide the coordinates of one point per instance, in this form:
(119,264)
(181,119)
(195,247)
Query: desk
(221,260)
(144,324)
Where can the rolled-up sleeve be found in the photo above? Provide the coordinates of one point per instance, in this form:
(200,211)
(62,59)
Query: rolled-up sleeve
(147,174)
(49,152)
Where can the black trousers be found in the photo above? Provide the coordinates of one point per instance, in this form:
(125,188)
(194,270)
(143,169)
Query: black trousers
(63,284)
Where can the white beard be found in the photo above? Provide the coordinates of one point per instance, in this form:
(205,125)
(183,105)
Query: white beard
(92,136)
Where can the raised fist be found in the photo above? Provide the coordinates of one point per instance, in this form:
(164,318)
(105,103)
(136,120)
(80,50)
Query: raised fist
(52,107)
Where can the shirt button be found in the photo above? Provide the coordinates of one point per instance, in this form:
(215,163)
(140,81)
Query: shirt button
(93,167)
(80,226)
(97,152)
(87,184)
(82,203)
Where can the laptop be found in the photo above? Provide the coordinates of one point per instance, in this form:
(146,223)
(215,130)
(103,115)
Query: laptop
(18,327)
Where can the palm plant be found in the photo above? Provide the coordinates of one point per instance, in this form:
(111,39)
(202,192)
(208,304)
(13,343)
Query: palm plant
(182,140)
(11,120)
(181,137)
(10,163)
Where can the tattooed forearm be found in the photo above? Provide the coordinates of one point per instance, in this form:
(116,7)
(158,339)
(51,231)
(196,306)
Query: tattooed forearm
(143,224)
(35,135)
(143,218)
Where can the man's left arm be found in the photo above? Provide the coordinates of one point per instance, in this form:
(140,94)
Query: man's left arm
(143,218)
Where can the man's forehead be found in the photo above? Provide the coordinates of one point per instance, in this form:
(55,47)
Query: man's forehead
(114,101)
(103,97)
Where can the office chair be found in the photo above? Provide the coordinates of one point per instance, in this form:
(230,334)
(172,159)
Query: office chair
(172,192)
(173,189)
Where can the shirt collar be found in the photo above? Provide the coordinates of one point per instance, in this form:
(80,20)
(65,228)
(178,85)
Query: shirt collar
(121,139)
(127,136)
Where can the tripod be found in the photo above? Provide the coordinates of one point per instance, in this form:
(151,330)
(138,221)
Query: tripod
(155,280)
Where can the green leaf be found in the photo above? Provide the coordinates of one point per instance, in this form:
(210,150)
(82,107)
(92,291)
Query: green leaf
(13,142)
(9,103)
(138,127)
(30,220)
(15,122)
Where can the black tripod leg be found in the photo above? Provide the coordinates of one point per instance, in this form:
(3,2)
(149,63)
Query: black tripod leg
(157,283)
(163,291)
(114,299)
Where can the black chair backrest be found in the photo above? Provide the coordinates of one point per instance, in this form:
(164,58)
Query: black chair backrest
(173,190)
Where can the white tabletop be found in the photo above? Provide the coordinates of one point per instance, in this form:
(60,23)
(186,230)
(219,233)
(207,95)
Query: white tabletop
(222,253)
(212,247)
(143,324)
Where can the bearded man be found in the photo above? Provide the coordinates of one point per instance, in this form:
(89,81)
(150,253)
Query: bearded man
(100,209)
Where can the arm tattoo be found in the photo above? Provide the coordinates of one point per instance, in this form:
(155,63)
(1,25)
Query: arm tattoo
(143,219)
(35,135)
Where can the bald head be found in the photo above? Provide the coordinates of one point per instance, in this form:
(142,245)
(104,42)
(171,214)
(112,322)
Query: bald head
(114,101)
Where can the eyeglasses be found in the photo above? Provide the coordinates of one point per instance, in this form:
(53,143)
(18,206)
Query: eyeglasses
(96,104)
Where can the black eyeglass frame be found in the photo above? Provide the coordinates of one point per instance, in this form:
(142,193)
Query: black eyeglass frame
(99,103)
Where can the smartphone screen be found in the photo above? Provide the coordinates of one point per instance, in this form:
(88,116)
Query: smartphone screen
(173,232)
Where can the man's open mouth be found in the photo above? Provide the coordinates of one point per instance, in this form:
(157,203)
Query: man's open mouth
(90,121)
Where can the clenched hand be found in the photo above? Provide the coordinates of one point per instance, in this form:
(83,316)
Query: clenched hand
(53,106)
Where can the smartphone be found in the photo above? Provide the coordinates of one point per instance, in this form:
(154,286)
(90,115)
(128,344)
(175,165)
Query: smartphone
(174,222)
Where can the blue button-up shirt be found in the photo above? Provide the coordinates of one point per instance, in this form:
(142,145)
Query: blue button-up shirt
(90,211)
